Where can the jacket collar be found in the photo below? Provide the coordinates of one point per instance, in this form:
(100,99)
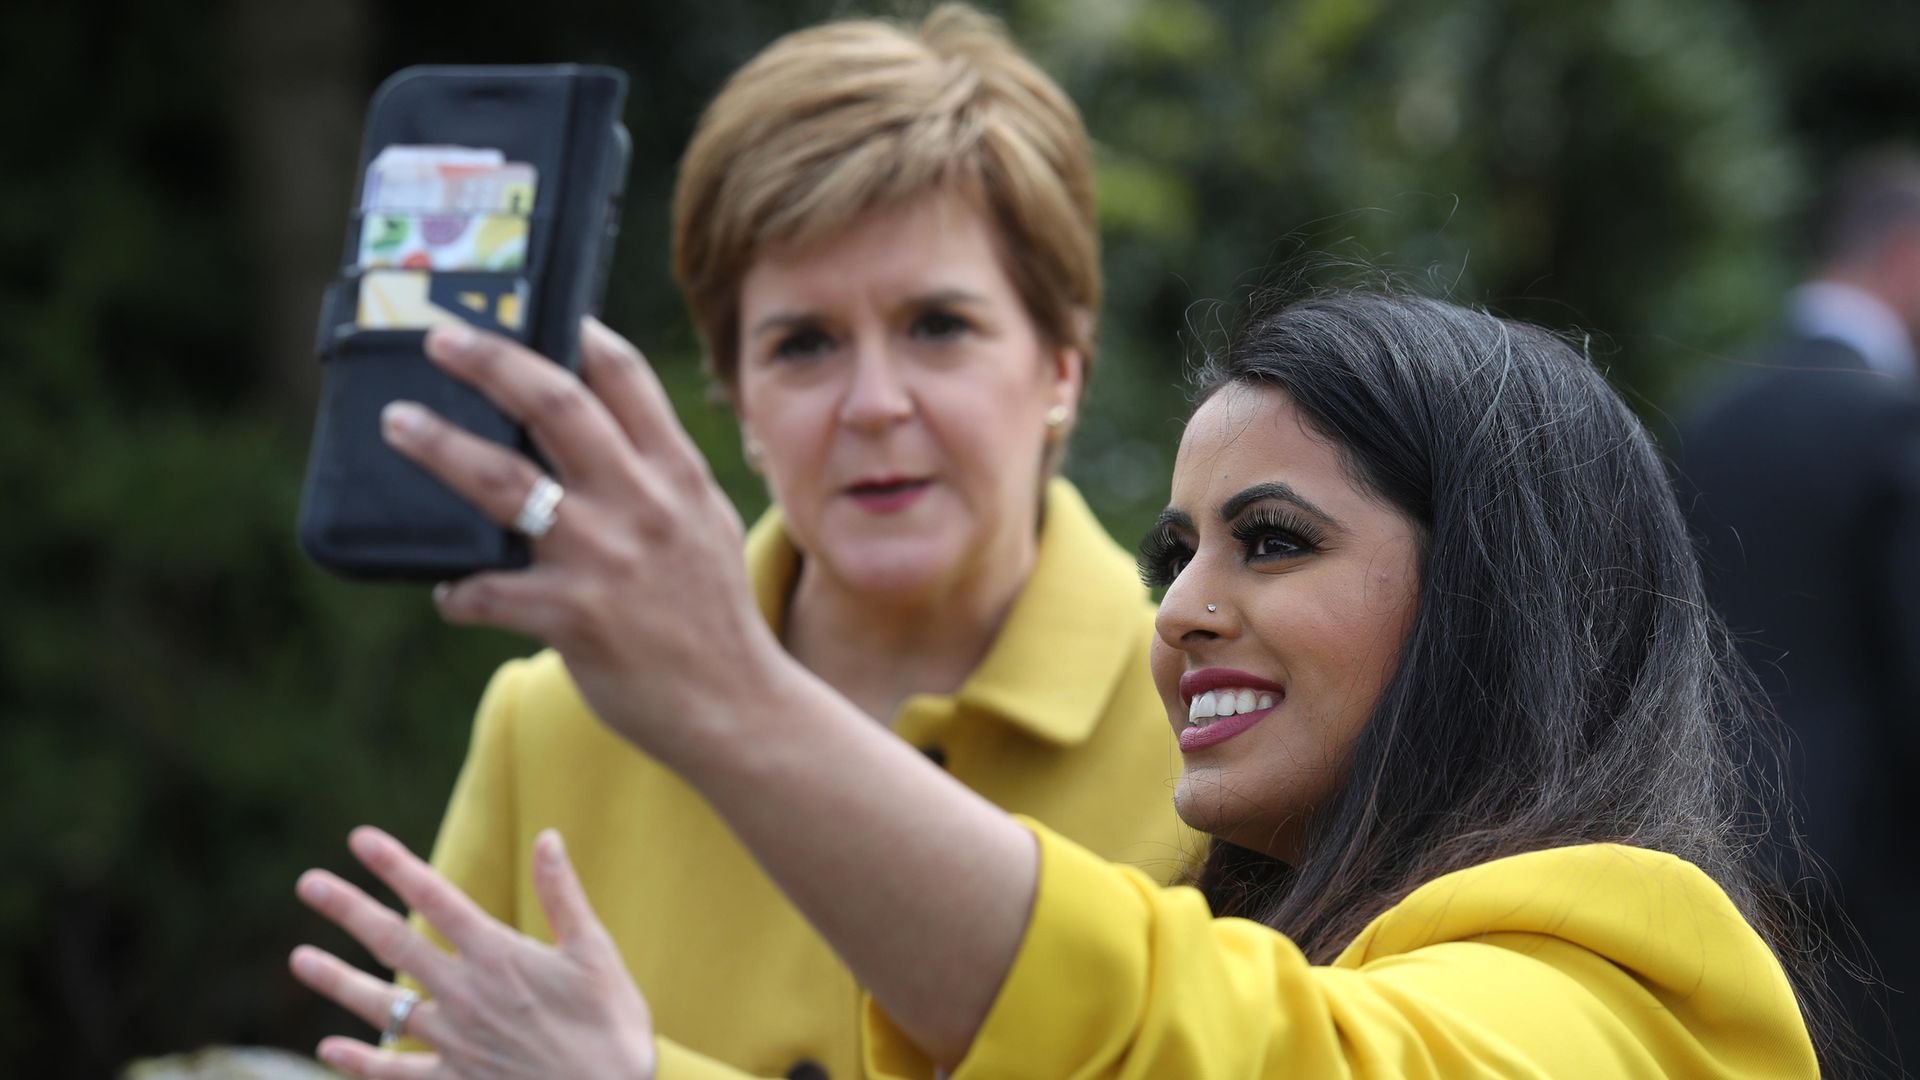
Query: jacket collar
(1053,667)
(1853,317)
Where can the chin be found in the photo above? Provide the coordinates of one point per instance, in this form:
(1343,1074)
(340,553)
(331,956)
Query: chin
(894,567)
(1206,804)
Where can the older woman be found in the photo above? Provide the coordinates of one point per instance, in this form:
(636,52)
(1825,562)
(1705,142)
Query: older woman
(1447,695)
(887,239)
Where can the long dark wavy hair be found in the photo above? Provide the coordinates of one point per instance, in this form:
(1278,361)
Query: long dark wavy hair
(1564,680)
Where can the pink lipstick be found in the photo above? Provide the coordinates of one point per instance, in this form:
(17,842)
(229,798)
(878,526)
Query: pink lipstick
(888,494)
(1222,703)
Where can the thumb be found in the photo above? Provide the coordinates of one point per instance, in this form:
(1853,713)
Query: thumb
(561,894)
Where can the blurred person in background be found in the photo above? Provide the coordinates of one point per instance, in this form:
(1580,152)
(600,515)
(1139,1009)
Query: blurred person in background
(886,235)
(1805,493)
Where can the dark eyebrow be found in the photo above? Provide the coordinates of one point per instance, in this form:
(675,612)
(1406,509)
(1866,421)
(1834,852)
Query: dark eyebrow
(1171,519)
(798,320)
(944,297)
(1272,489)
(782,320)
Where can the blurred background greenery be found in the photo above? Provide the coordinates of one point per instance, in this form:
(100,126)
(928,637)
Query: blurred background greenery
(190,713)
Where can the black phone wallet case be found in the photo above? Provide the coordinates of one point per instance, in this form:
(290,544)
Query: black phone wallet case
(487,194)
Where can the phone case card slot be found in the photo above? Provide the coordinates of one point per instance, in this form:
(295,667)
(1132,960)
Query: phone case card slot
(500,302)
(357,343)
(481,242)
(533,270)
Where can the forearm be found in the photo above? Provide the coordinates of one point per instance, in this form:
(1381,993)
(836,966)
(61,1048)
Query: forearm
(922,886)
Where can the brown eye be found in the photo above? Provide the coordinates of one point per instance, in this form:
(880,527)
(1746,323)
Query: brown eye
(803,345)
(940,326)
(1275,545)
(1272,534)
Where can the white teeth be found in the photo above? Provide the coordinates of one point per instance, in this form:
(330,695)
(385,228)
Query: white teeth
(1200,708)
(1217,703)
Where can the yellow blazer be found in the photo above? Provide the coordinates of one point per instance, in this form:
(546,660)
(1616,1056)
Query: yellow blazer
(1060,722)
(1595,960)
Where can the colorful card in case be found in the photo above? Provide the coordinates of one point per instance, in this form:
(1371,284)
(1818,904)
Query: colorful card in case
(420,299)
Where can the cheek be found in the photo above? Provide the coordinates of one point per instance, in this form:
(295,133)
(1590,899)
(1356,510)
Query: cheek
(1348,649)
(795,471)
(1166,663)
(794,426)
(991,433)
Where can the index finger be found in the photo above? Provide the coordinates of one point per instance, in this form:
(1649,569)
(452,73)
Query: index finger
(573,428)
(464,924)
(630,389)
(381,929)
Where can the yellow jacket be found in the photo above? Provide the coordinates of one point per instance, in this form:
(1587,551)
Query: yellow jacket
(1591,961)
(1060,722)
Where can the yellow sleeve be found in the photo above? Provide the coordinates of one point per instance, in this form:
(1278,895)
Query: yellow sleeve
(1117,977)
(478,841)
(676,1062)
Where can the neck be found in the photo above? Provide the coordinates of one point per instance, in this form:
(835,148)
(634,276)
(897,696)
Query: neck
(881,649)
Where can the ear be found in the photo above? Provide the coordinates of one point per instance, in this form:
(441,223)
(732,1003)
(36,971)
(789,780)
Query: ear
(752,450)
(1067,368)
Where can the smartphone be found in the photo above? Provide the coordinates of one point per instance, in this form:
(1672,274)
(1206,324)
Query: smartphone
(487,195)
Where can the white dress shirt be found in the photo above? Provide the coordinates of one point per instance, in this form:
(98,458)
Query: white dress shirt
(1857,319)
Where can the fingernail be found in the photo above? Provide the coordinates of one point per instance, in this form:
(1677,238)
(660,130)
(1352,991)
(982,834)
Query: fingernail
(402,420)
(331,1054)
(364,842)
(441,592)
(305,964)
(451,340)
(555,847)
(314,887)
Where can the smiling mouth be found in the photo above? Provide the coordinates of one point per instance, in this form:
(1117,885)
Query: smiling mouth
(1214,705)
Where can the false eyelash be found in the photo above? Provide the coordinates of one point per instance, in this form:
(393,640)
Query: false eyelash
(1158,551)
(1163,554)
(1255,525)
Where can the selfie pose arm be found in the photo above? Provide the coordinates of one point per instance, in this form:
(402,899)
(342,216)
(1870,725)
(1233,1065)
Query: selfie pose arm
(639,588)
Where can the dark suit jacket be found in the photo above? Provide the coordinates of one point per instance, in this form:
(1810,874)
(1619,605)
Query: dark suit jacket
(1802,479)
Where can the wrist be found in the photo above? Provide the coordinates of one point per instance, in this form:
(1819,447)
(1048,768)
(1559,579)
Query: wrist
(738,713)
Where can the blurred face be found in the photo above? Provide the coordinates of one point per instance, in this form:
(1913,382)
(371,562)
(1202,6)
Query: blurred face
(1312,582)
(899,392)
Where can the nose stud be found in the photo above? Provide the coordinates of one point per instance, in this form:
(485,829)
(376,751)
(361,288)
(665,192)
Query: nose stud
(1212,607)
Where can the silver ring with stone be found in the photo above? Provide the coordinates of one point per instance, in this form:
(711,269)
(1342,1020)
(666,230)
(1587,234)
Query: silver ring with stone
(537,514)
(404,1000)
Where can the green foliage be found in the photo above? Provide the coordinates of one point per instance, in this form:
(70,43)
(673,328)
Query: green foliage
(190,713)
(1617,166)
